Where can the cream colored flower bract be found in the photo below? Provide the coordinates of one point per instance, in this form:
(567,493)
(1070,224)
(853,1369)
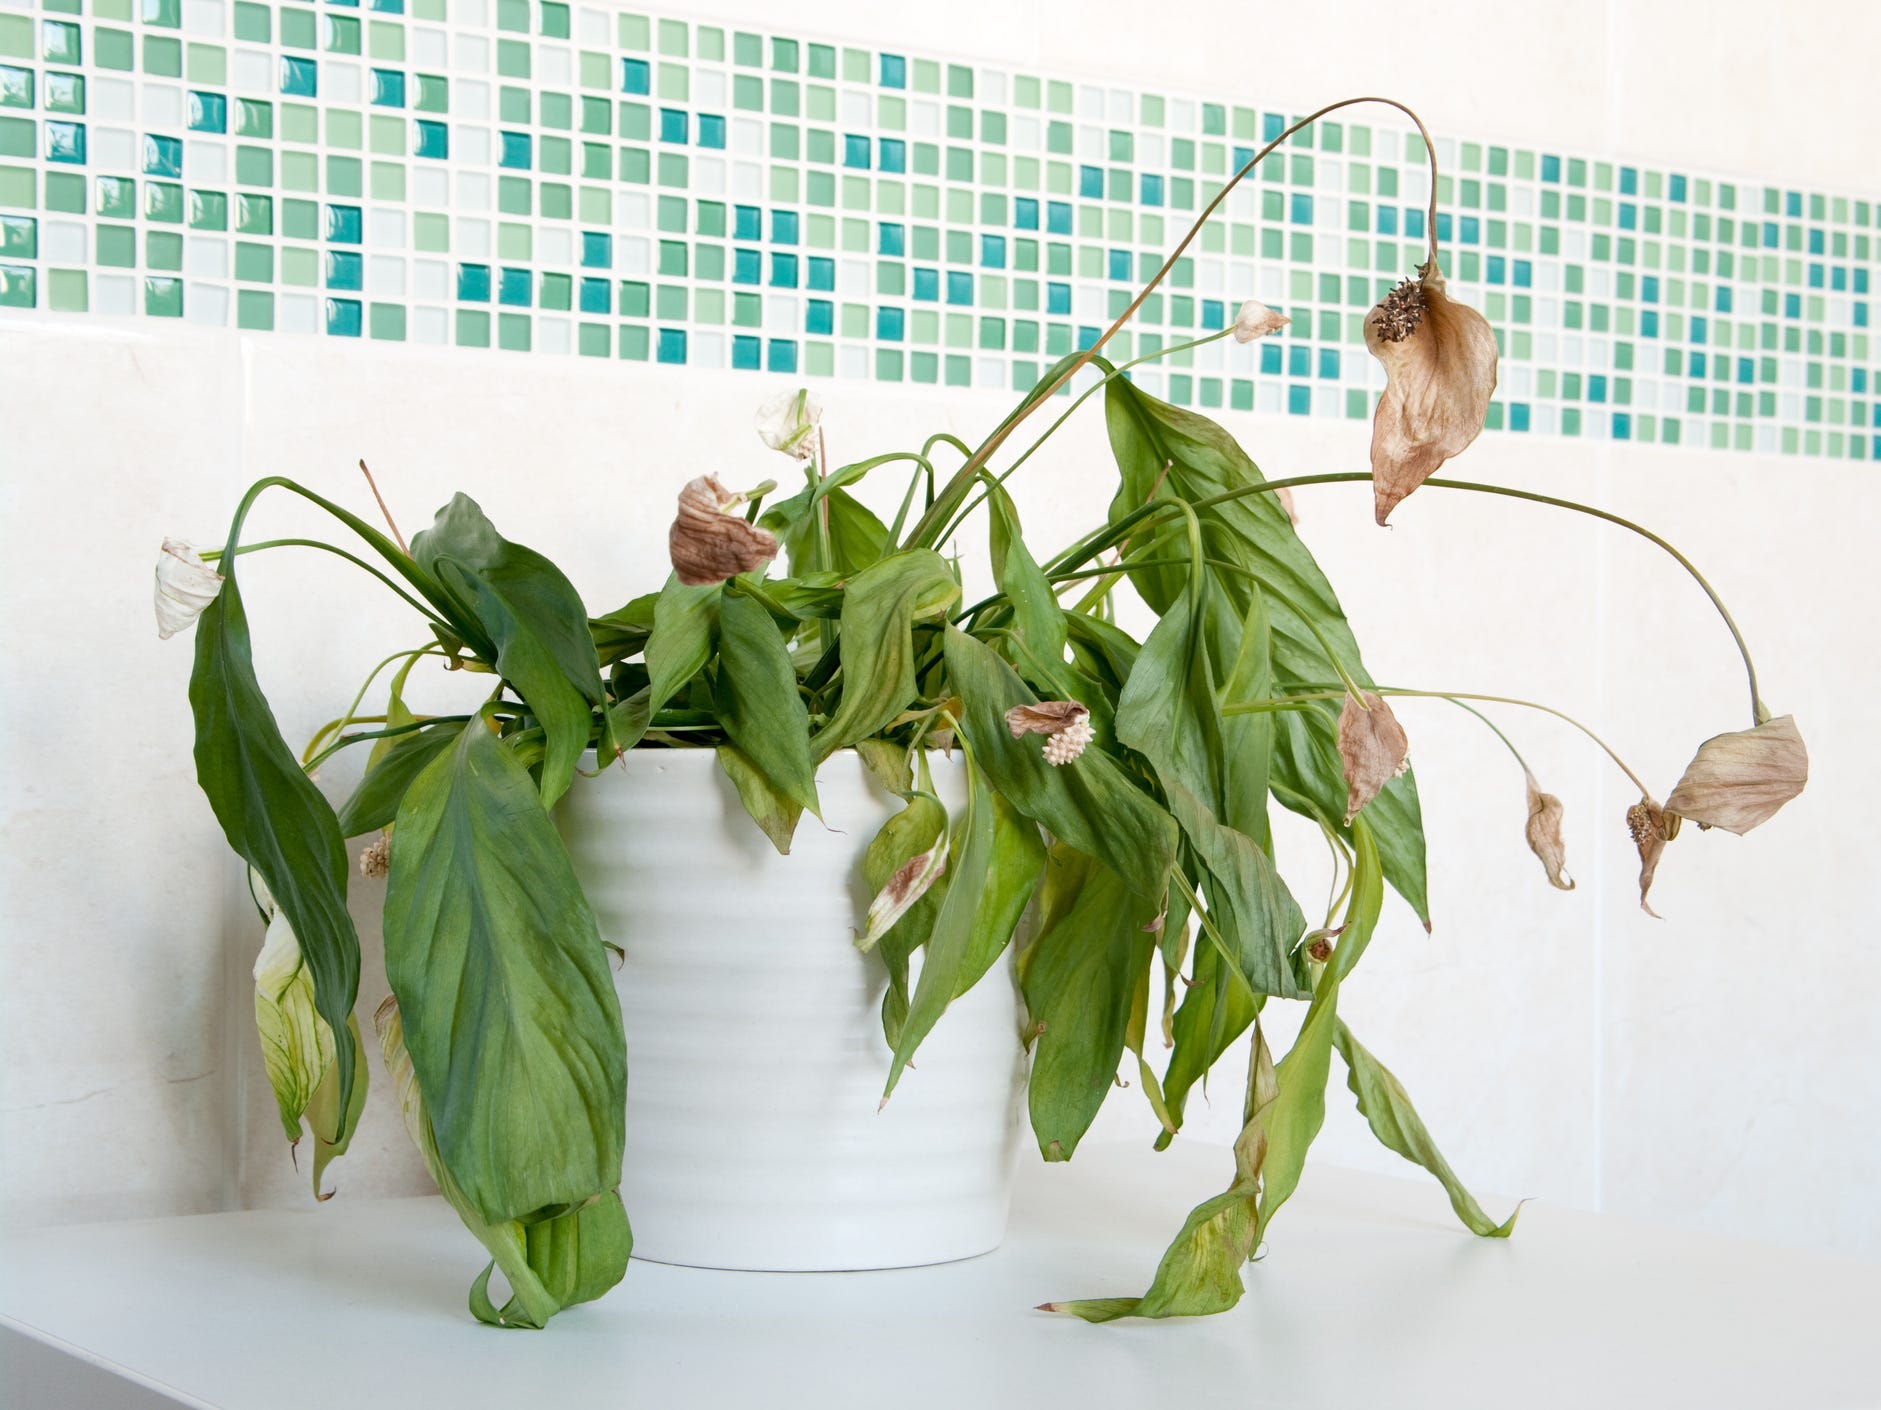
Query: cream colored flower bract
(1544,834)
(788,423)
(185,586)
(708,544)
(1256,320)
(1739,780)
(1374,748)
(1440,371)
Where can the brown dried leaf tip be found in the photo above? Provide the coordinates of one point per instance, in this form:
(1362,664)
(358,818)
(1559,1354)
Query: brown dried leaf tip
(1739,780)
(1440,371)
(1544,835)
(1374,748)
(1652,828)
(708,543)
(1065,723)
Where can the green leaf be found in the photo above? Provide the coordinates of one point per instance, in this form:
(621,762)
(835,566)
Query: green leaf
(1011,877)
(1395,1122)
(1214,1012)
(534,616)
(1038,622)
(1286,1105)
(759,703)
(1166,453)
(951,941)
(509,1009)
(890,763)
(913,830)
(1090,804)
(775,814)
(271,813)
(880,611)
(684,624)
(857,538)
(624,631)
(573,1255)
(1080,976)
(375,801)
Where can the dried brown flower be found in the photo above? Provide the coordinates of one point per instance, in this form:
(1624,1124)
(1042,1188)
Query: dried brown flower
(1739,780)
(708,544)
(1046,717)
(1374,747)
(1544,835)
(1440,371)
(1256,320)
(1652,828)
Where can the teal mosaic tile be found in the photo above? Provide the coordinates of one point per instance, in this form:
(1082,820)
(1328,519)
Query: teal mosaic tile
(566,179)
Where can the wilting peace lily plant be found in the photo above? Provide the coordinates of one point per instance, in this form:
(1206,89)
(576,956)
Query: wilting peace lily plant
(1117,793)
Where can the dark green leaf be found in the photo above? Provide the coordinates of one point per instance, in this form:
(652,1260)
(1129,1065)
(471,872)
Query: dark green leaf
(1038,623)
(1011,877)
(509,1010)
(273,816)
(1395,1122)
(532,613)
(759,703)
(857,538)
(880,611)
(375,801)
(1090,804)
(1080,977)
(684,624)
(624,631)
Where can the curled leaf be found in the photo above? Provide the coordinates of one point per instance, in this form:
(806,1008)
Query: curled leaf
(1256,320)
(1739,780)
(708,544)
(1544,835)
(1373,747)
(1440,371)
(788,422)
(1652,828)
(911,881)
(297,1046)
(185,586)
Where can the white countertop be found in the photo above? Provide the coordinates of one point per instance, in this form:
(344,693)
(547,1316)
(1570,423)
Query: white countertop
(1371,1296)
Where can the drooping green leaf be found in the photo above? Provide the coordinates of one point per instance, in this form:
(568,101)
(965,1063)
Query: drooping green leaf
(1090,803)
(1080,977)
(624,631)
(1166,453)
(1012,876)
(509,1009)
(375,800)
(532,613)
(880,610)
(890,763)
(332,1126)
(1286,1105)
(912,831)
(1038,623)
(1214,1012)
(574,1255)
(272,815)
(1385,1104)
(857,539)
(684,623)
(775,814)
(759,704)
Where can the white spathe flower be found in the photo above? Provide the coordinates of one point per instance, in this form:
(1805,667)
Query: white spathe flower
(296,1043)
(788,422)
(1256,320)
(185,585)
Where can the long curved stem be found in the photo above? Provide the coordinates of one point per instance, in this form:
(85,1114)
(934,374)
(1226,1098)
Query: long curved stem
(957,487)
(215,555)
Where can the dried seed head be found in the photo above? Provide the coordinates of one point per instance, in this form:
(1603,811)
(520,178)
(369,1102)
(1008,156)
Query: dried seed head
(1046,717)
(1651,829)
(1064,746)
(1544,835)
(707,543)
(1373,747)
(1739,780)
(1400,311)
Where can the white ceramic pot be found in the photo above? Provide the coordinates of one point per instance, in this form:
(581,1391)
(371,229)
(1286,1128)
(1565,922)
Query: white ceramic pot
(754,1038)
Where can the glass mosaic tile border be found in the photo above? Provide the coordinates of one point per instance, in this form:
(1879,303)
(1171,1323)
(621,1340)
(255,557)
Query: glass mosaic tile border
(550,177)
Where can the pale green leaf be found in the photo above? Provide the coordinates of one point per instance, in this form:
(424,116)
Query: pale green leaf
(881,608)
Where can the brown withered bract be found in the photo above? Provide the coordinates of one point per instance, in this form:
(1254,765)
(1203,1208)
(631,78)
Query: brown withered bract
(1544,835)
(1046,717)
(1440,371)
(1374,748)
(1739,780)
(709,545)
(1651,829)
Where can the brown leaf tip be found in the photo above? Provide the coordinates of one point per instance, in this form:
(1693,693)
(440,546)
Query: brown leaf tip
(1400,311)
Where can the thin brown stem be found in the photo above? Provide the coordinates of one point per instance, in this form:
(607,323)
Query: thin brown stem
(390,523)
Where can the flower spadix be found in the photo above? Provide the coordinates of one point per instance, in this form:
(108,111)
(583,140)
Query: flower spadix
(1373,748)
(708,542)
(1440,371)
